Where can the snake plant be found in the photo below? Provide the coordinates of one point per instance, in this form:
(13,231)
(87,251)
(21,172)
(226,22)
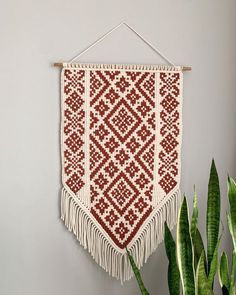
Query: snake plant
(213,214)
(197,269)
(137,275)
(185,251)
(191,267)
(173,270)
(227,277)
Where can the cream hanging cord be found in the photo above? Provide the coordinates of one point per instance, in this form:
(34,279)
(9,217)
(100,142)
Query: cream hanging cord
(72,61)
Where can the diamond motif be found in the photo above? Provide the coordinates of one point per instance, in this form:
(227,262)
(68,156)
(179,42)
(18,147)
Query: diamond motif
(131,217)
(74,101)
(123,123)
(74,142)
(102,205)
(169,143)
(75,183)
(121,193)
(133,96)
(142,181)
(121,230)
(101,181)
(74,118)
(140,204)
(101,107)
(112,96)
(121,139)
(133,145)
(111,144)
(122,120)
(143,133)
(169,103)
(169,116)
(122,157)
(122,84)
(167,182)
(132,169)
(111,218)
(101,132)
(111,169)
(143,108)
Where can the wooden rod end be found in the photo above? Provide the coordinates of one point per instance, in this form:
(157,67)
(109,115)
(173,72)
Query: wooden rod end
(58,64)
(187,68)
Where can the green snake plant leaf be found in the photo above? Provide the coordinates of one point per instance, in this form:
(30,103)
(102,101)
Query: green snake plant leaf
(231,228)
(137,275)
(194,215)
(198,248)
(231,185)
(232,275)
(223,272)
(214,264)
(203,287)
(173,270)
(213,213)
(185,251)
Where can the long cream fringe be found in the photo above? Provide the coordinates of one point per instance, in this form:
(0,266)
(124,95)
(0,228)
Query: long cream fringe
(91,237)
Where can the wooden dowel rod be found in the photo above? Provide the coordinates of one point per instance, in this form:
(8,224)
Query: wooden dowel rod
(185,69)
(60,64)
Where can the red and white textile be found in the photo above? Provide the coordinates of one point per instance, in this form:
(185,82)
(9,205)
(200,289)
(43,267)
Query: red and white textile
(121,143)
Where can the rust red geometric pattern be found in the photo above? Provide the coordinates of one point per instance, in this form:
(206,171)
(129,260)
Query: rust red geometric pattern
(74,128)
(123,114)
(123,103)
(169,96)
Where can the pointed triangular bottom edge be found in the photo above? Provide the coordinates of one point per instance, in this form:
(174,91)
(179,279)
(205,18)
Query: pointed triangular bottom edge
(77,219)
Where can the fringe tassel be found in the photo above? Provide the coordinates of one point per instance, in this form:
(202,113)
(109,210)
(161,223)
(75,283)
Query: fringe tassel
(78,220)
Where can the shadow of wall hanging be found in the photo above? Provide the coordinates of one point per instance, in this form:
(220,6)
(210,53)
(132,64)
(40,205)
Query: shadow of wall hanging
(121,129)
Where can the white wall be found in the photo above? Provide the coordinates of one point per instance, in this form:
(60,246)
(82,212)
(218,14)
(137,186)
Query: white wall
(37,254)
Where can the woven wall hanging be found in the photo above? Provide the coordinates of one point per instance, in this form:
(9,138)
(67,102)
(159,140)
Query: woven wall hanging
(121,141)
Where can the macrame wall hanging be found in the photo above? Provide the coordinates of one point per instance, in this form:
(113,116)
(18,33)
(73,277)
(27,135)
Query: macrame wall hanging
(121,131)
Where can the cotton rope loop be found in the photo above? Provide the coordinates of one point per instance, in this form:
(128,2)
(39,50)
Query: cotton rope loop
(133,31)
(121,133)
